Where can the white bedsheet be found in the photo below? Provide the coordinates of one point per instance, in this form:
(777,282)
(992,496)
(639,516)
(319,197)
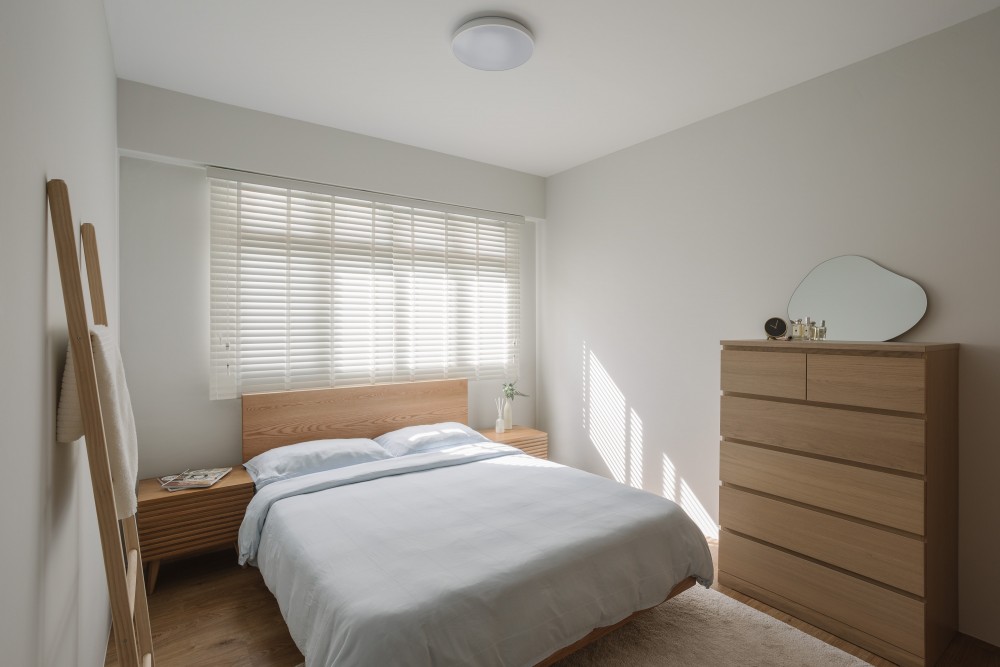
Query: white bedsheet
(478,555)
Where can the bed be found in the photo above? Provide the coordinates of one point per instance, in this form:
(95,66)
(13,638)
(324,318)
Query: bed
(473,555)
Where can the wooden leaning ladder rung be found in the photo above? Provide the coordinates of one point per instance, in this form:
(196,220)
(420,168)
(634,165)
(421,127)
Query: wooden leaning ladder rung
(122,564)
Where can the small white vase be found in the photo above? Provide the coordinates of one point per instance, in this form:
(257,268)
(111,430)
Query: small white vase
(508,414)
(500,426)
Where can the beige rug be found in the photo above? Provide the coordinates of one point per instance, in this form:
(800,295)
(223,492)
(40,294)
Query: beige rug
(704,628)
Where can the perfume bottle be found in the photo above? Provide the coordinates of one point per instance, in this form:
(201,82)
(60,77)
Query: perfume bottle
(821,331)
(797,330)
(808,329)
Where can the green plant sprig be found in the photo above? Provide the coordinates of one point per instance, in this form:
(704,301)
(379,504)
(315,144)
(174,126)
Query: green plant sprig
(510,391)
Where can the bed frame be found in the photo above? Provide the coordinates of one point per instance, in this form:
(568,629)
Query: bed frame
(282,418)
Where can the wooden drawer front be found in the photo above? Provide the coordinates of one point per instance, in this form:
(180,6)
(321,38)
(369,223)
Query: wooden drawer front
(887,383)
(150,516)
(188,524)
(883,498)
(893,617)
(877,554)
(217,531)
(764,373)
(888,441)
(156,525)
(183,501)
(175,526)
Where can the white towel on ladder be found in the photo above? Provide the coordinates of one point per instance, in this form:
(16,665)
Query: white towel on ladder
(116,411)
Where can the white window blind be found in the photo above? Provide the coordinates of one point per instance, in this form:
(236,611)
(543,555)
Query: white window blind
(318,286)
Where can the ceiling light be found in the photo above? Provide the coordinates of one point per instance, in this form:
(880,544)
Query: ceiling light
(493,43)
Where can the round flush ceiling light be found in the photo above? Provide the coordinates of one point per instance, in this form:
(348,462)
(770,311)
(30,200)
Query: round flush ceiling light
(492,43)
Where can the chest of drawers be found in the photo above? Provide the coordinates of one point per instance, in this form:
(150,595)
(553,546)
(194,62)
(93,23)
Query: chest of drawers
(838,504)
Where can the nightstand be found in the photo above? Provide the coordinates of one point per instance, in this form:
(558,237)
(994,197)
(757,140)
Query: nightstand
(183,523)
(531,440)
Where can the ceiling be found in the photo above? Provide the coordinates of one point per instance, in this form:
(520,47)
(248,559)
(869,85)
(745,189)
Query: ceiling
(604,76)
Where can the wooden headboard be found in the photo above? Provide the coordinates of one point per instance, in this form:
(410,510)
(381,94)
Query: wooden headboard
(282,418)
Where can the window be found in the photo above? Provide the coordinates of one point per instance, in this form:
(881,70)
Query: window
(317,286)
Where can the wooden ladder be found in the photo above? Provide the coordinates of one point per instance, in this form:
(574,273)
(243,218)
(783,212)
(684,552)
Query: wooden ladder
(122,565)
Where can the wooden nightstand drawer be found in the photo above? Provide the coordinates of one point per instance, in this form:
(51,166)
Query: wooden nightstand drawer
(530,440)
(189,535)
(183,523)
(198,505)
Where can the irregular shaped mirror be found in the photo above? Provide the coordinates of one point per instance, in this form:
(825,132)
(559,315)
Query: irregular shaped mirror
(859,300)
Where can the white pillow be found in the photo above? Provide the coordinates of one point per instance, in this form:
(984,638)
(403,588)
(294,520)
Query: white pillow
(313,456)
(428,438)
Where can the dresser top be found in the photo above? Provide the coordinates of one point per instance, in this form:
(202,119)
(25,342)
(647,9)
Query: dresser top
(839,345)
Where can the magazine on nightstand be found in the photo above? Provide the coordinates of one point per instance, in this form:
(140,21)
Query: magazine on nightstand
(193,479)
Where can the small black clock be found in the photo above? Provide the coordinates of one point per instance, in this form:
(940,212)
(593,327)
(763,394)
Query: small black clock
(776,328)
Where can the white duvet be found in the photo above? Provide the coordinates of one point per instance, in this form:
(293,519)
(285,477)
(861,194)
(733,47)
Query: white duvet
(477,555)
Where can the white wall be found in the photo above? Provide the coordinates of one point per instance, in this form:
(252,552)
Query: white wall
(165,304)
(653,254)
(57,120)
(160,122)
(165,259)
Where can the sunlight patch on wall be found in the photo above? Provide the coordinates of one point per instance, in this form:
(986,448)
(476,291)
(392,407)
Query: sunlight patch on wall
(585,402)
(613,427)
(606,417)
(635,449)
(678,490)
(669,479)
(616,431)
(697,511)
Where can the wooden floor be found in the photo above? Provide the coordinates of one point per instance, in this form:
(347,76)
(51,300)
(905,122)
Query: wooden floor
(209,611)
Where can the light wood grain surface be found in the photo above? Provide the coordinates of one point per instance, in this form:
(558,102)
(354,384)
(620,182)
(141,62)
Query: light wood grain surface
(150,494)
(181,523)
(880,497)
(942,499)
(132,635)
(838,346)
(886,383)
(858,480)
(763,373)
(283,418)
(875,650)
(887,441)
(896,618)
(872,552)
